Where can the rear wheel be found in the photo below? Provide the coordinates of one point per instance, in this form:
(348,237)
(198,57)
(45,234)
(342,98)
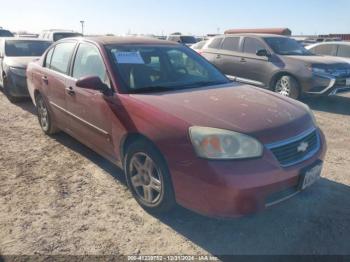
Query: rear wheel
(287,86)
(148,177)
(44,116)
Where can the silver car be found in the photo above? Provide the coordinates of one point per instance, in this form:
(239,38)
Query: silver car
(15,55)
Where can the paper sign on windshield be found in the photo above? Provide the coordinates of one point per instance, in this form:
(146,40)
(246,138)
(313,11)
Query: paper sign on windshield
(129,58)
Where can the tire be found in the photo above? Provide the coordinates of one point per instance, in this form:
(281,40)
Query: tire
(151,186)
(45,117)
(6,89)
(287,86)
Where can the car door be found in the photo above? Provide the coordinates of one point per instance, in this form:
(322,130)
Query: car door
(253,69)
(54,80)
(90,114)
(212,52)
(229,58)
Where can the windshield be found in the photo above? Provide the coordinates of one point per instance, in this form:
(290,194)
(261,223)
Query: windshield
(162,68)
(5,33)
(286,46)
(188,39)
(59,36)
(25,47)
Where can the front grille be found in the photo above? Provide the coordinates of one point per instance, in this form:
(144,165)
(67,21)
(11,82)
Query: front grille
(297,149)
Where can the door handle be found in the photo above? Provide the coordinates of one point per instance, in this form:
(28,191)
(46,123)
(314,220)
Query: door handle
(70,91)
(218,56)
(243,60)
(45,79)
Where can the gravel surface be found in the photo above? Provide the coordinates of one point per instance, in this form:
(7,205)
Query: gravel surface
(58,197)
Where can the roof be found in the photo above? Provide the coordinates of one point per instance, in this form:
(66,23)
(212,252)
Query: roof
(251,34)
(110,40)
(275,31)
(25,39)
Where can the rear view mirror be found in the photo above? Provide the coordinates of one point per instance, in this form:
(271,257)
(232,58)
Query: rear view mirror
(92,83)
(263,52)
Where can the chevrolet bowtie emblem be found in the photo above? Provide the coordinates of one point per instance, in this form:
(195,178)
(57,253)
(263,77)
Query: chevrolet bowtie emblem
(303,147)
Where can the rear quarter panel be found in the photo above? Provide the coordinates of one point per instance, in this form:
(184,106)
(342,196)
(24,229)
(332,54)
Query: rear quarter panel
(34,78)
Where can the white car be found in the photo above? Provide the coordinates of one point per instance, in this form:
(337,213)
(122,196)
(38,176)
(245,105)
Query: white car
(339,49)
(54,35)
(198,46)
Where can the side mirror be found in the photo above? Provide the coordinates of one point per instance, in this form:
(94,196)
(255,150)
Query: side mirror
(263,52)
(92,83)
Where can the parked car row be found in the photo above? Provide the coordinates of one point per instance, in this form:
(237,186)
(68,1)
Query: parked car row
(181,130)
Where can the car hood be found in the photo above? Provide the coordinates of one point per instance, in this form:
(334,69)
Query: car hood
(241,108)
(20,62)
(321,60)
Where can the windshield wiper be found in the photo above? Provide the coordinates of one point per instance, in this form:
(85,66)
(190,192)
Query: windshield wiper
(204,84)
(151,89)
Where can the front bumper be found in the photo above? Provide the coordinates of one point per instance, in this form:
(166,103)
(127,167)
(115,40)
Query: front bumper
(17,85)
(328,85)
(236,188)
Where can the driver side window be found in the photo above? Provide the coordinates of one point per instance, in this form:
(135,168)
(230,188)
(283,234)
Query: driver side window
(252,45)
(88,62)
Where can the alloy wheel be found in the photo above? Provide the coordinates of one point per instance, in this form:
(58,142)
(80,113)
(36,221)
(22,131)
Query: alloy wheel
(283,87)
(146,178)
(43,114)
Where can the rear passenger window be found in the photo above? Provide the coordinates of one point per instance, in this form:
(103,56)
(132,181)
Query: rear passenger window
(61,57)
(326,50)
(252,45)
(231,44)
(215,43)
(48,58)
(344,51)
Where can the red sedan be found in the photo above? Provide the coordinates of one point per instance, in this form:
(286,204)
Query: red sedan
(182,132)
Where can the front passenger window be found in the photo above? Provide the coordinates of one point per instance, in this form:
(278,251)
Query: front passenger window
(88,62)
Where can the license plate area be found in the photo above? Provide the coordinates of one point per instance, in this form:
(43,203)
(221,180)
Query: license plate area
(310,175)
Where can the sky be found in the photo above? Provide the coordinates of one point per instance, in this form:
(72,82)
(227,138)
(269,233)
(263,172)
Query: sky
(198,17)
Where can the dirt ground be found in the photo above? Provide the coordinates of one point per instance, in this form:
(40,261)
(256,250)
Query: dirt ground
(58,197)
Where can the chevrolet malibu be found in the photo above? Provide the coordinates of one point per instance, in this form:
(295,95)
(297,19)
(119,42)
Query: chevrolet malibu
(181,131)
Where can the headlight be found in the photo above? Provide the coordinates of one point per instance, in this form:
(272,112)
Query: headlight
(18,71)
(213,143)
(312,115)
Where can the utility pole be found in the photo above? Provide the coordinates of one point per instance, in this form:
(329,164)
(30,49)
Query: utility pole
(82,26)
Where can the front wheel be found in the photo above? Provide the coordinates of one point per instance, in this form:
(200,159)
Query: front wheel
(148,177)
(44,116)
(287,86)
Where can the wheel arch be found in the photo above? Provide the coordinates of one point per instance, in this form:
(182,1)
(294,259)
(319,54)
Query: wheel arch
(130,138)
(278,75)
